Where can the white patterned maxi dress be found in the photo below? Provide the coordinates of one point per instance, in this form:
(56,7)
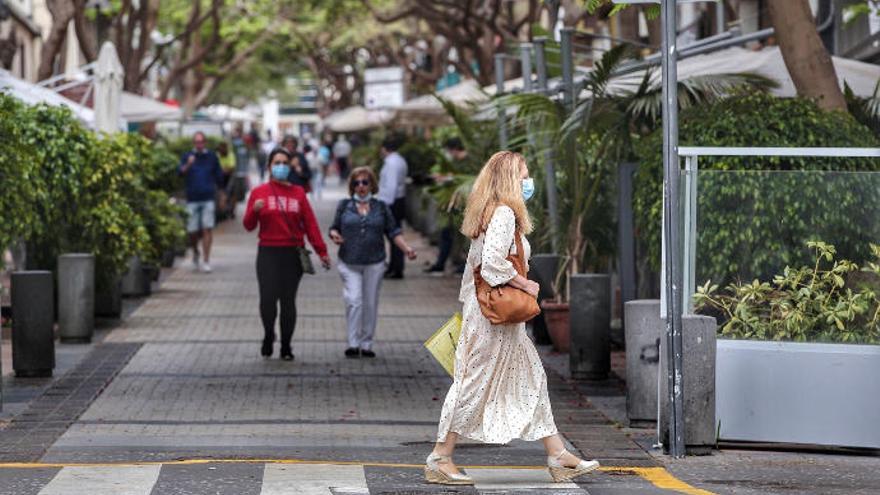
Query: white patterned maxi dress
(499,391)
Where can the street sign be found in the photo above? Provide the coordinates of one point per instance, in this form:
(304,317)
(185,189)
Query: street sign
(383,88)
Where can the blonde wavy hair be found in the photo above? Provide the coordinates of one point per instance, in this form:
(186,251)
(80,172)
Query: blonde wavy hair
(498,183)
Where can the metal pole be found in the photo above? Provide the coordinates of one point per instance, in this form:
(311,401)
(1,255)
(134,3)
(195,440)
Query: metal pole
(499,90)
(541,62)
(672,221)
(549,165)
(689,247)
(525,56)
(567,68)
(720,23)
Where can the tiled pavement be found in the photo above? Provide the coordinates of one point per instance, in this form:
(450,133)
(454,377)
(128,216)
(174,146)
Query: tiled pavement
(196,388)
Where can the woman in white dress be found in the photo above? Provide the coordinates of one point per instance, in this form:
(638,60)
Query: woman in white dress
(499,391)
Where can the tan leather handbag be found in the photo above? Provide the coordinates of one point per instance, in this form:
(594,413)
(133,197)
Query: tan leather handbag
(505,304)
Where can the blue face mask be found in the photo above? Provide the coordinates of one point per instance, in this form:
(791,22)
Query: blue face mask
(363,199)
(280,171)
(528,188)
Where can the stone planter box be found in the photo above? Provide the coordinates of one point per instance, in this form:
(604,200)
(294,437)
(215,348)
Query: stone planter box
(590,326)
(792,392)
(76,297)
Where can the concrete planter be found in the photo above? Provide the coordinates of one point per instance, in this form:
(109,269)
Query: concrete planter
(135,281)
(33,322)
(108,300)
(542,269)
(590,325)
(792,392)
(76,297)
(643,332)
(557,317)
(168,259)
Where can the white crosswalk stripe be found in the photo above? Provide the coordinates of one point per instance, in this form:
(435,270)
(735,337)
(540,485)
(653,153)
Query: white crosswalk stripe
(104,480)
(313,479)
(518,479)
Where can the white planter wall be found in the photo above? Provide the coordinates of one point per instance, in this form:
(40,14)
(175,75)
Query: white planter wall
(825,394)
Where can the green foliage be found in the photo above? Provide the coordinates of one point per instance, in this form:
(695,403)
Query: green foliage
(752,222)
(814,303)
(68,190)
(17,175)
(420,157)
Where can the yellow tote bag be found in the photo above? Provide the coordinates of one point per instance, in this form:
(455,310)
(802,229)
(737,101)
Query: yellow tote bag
(442,344)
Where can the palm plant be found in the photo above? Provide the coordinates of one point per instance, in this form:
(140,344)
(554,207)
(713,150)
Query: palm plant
(587,143)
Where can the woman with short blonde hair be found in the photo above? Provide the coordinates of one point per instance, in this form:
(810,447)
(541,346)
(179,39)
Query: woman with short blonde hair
(499,391)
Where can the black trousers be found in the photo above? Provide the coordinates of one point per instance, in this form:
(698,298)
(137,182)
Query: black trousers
(395,265)
(278,274)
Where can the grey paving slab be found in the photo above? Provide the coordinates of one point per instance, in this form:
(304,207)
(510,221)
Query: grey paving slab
(209,479)
(27,481)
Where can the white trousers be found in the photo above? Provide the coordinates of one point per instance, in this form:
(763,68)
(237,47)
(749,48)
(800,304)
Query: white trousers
(360,291)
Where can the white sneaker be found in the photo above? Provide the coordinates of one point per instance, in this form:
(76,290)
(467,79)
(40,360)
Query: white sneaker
(206,268)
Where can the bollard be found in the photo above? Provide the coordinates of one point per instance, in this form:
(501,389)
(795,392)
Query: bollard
(542,269)
(108,298)
(133,280)
(698,385)
(643,328)
(590,303)
(76,297)
(33,320)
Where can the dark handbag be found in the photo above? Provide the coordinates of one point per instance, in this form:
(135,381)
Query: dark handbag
(505,304)
(305,256)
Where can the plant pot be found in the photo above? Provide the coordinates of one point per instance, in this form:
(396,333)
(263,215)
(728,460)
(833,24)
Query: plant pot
(76,297)
(590,298)
(33,314)
(151,272)
(556,315)
(134,281)
(168,258)
(643,331)
(108,299)
(542,269)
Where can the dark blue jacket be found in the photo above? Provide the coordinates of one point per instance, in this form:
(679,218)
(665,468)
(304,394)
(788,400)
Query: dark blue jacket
(364,243)
(203,177)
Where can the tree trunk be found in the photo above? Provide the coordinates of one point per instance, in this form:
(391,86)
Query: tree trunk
(806,58)
(62,12)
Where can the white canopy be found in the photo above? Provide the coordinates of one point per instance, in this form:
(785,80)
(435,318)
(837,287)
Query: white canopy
(462,94)
(33,94)
(356,118)
(108,80)
(861,77)
(137,108)
(227,113)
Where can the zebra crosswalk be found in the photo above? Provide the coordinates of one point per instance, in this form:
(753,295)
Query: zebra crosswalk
(269,478)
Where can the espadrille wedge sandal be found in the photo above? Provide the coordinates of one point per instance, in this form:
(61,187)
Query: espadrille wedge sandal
(561,473)
(433,474)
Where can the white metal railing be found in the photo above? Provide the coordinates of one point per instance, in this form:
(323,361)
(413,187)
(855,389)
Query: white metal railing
(691,155)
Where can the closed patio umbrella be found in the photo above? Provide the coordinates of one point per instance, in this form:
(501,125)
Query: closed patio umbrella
(109,76)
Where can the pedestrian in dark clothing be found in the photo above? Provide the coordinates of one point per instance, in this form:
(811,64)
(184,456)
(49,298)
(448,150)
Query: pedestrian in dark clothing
(285,218)
(359,228)
(456,153)
(203,175)
(392,190)
(300,172)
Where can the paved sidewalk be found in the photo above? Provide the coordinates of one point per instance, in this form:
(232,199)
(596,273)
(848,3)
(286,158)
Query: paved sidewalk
(191,407)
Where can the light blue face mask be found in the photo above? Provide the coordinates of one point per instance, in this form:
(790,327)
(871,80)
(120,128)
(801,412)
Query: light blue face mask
(363,199)
(280,171)
(528,188)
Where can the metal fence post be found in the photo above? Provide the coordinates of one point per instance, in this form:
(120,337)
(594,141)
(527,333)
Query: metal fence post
(549,160)
(672,221)
(567,68)
(499,90)
(525,56)
(690,234)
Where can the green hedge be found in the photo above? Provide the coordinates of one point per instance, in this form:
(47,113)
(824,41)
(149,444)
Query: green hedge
(76,191)
(752,222)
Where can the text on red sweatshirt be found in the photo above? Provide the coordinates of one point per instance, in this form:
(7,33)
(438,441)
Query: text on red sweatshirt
(280,200)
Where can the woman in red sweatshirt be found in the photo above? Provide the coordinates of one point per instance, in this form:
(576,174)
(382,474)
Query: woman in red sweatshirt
(285,218)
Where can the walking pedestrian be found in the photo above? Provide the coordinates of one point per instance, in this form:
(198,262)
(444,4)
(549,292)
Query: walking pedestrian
(300,172)
(203,175)
(499,389)
(314,164)
(392,191)
(457,154)
(341,151)
(285,218)
(358,228)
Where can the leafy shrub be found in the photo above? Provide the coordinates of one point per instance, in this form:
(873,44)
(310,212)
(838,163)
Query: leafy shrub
(806,304)
(420,156)
(17,175)
(752,223)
